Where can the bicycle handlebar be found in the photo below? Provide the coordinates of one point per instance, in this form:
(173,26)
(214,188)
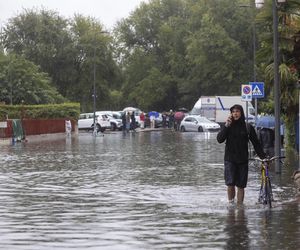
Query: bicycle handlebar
(267,159)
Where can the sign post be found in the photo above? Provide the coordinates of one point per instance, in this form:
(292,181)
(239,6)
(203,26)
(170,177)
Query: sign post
(258,91)
(246,96)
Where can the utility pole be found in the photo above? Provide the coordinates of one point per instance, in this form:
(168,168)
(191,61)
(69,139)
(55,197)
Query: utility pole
(276,87)
(94,90)
(94,81)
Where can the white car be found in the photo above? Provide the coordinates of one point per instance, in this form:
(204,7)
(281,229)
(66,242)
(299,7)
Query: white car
(114,119)
(86,121)
(199,124)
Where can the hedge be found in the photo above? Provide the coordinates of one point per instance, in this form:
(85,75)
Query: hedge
(46,111)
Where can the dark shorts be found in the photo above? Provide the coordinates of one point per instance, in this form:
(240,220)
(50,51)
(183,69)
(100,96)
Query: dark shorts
(236,174)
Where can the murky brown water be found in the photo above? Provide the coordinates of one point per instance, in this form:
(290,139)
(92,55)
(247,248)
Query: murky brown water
(158,190)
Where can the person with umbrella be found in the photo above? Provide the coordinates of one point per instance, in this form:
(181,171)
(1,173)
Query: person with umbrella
(127,121)
(266,134)
(179,115)
(171,119)
(267,139)
(153,115)
(133,122)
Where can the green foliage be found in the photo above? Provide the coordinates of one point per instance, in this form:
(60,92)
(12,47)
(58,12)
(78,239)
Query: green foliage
(22,81)
(42,37)
(68,50)
(165,55)
(289,60)
(152,91)
(198,48)
(65,110)
(214,76)
(95,55)
(115,102)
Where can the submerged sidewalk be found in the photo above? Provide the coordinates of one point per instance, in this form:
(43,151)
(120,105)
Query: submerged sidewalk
(41,137)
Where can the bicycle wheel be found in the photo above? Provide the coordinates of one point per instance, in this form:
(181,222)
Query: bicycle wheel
(271,193)
(261,193)
(268,193)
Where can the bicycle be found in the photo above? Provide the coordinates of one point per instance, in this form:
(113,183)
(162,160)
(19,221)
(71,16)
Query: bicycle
(265,193)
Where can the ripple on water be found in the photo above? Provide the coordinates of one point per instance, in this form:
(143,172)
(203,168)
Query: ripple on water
(133,191)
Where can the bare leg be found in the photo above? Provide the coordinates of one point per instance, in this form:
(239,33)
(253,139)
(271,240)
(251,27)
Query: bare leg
(230,193)
(240,196)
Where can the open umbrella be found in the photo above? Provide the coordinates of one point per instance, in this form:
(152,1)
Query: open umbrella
(265,122)
(179,115)
(130,109)
(153,113)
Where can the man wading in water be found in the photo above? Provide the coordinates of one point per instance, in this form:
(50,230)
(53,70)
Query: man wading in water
(236,133)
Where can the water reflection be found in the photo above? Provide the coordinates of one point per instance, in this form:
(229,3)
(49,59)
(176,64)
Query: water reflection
(280,228)
(237,230)
(162,190)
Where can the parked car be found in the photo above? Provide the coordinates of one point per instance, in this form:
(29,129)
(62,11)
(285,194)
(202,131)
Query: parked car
(86,122)
(117,114)
(198,123)
(114,119)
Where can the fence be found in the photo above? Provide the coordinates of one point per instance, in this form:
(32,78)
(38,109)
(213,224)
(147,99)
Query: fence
(35,127)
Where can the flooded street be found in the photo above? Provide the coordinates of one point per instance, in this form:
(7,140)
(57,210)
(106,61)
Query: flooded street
(151,190)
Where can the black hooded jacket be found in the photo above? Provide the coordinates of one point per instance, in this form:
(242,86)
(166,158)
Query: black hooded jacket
(236,137)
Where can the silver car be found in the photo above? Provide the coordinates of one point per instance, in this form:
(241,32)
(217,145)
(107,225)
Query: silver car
(199,124)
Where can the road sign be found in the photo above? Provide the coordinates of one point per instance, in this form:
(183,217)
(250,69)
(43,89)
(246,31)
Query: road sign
(246,92)
(257,89)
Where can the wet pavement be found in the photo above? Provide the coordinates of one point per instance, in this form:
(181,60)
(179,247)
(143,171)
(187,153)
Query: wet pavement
(156,190)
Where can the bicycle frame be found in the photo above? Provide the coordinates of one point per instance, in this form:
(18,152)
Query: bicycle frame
(265,193)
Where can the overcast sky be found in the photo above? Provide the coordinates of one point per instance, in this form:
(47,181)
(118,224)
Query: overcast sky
(108,12)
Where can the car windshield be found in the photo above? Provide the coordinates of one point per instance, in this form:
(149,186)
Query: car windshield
(196,111)
(117,115)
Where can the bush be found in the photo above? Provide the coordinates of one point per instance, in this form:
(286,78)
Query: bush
(46,111)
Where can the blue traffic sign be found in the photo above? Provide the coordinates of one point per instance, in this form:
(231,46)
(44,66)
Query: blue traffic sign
(257,89)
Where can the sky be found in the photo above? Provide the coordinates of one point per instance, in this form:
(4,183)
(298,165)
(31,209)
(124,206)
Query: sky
(108,12)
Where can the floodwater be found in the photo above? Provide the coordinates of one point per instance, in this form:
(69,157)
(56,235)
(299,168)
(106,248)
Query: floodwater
(151,190)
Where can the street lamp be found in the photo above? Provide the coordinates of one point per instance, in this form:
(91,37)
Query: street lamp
(252,6)
(94,83)
(259,4)
(94,91)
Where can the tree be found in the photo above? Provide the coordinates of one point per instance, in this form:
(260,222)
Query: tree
(93,48)
(289,60)
(150,44)
(201,47)
(66,49)
(23,82)
(42,37)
